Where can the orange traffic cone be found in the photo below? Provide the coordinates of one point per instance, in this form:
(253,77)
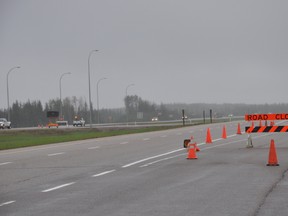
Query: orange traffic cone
(239,129)
(224,134)
(208,137)
(192,151)
(272,159)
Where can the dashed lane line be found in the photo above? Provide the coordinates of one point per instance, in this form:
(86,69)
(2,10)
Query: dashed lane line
(55,154)
(7,203)
(95,147)
(104,173)
(58,187)
(5,163)
(71,183)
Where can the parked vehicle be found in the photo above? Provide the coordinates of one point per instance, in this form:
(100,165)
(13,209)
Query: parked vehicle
(51,124)
(62,123)
(4,123)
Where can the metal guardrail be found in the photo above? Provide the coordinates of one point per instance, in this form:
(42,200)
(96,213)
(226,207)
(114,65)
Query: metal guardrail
(191,121)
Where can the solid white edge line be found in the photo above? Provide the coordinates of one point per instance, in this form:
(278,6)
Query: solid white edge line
(145,159)
(104,173)
(58,187)
(7,203)
(163,159)
(215,146)
(217,140)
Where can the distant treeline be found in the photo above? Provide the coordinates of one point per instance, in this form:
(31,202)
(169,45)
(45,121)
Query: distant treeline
(33,113)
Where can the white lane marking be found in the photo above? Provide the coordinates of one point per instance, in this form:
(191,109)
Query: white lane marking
(160,155)
(205,148)
(163,136)
(177,150)
(43,148)
(233,135)
(7,203)
(146,139)
(95,147)
(58,187)
(54,154)
(149,158)
(57,145)
(5,163)
(210,147)
(215,140)
(178,155)
(163,159)
(123,143)
(103,173)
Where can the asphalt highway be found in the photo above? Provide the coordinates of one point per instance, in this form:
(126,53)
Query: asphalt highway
(148,174)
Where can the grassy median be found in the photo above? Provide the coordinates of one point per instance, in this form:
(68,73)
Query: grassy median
(10,139)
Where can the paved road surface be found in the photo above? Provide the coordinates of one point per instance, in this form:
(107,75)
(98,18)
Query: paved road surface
(147,174)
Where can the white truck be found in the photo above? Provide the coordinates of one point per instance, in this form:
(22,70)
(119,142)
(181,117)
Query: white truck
(80,122)
(4,123)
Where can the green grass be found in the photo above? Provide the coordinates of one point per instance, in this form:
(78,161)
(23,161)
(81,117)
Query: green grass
(10,139)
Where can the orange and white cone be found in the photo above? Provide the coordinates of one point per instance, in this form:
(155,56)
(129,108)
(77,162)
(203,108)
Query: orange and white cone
(192,151)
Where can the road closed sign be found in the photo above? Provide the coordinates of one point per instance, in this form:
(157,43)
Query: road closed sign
(258,117)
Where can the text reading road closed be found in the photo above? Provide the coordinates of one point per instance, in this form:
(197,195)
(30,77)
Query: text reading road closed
(258,117)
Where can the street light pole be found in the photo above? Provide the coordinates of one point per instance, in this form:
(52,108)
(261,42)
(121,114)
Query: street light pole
(61,92)
(126,98)
(98,98)
(89,86)
(7,77)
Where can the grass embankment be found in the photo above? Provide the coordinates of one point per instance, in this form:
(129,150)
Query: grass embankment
(10,139)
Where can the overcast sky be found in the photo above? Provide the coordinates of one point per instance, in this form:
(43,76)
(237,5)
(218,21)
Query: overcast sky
(211,51)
